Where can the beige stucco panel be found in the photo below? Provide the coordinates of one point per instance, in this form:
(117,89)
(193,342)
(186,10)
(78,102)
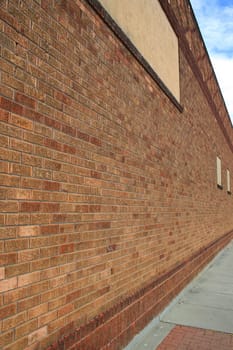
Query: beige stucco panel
(146,25)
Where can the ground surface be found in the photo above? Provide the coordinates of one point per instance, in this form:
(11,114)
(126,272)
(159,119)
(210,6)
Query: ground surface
(201,318)
(190,338)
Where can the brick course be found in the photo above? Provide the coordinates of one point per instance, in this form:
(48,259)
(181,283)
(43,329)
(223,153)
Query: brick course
(108,197)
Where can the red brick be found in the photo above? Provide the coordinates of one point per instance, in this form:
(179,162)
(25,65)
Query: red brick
(49,229)
(2,273)
(65,310)
(10,106)
(8,284)
(25,100)
(2,219)
(15,295)
(28,255)
(34,346)
(14,321)
(14,83)
(7,311)
(38,288)
(51,186)
(19,344)
(67,248)
(38,310)
(19,193)
(21,122)
(28,278)
(14,59)
(15,270)
(18,219)
(25,329)
(47,318)
(8,206)
(28,303)
(29,206)
(4,115)
(6,338)
(40,264)
(19,169)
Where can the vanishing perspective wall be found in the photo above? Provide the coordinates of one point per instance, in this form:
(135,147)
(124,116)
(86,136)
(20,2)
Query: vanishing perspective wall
(109,197)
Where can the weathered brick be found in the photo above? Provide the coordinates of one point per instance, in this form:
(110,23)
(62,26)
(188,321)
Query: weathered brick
(28,231)
(37,335)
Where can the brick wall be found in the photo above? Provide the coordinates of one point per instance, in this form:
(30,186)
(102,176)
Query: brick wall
(109,203)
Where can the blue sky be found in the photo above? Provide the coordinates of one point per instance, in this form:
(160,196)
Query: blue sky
(215,19)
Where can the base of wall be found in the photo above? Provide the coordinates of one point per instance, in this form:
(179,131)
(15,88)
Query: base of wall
(114,328)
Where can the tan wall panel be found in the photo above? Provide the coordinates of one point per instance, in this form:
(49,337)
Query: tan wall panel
(146,25)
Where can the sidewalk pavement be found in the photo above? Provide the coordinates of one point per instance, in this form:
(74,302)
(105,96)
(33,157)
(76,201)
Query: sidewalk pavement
(201,317)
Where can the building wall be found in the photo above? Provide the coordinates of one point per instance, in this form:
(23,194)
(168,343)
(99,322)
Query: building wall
(109,200)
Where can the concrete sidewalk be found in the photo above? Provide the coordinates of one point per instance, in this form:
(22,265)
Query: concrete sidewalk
(201,317)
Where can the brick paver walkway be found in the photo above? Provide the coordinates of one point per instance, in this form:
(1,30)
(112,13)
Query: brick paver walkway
(188,338)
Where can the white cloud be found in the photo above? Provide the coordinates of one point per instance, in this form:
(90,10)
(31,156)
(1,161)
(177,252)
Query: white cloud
(215,19)
(223,67)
